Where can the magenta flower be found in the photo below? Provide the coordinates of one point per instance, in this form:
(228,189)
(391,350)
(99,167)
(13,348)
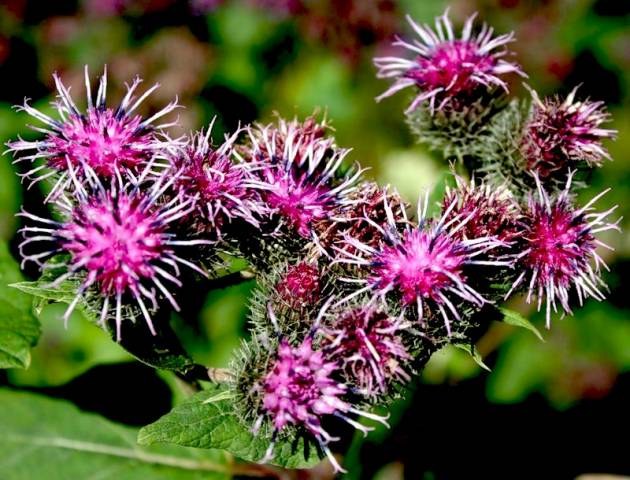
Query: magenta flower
(300,389)
(111,142)
(296,172)
(423,266)
(366,343)
(364,219)
(119,247)
(559,247)
(216,184)
(449,71)
(491,212)
(561,133)
(300,286)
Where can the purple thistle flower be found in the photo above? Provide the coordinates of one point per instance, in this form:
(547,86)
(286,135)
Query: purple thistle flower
(449,71)
(366,342)
(295,170)
(300,389)
(359,218)
(112,142)
(423,266)
(561,133)
(300,286)
(119,245)
(216,184)
(491,211)
(559,246)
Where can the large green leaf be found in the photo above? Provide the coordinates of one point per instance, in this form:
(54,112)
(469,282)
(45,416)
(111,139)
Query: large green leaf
(207,420)
(19,329)
(53,440)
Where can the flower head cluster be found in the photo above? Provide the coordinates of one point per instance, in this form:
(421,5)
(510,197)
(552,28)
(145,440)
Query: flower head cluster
(368,344)
(300,286)
(214,182)
(448,71)
(491,212)
(559,249)
(296,176)
(424,266)
(301,388)
(364,219)
(561,133)
(118,244)
(112,142)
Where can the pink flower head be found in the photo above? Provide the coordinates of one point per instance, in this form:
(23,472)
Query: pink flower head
(119,246)
(215,183)
(559,247)
(296,172)
(492,212)
(112,142)
(300,389)
(300,286)
(423,266)
(449,71)
(367,344)
(364,219)
(561,133)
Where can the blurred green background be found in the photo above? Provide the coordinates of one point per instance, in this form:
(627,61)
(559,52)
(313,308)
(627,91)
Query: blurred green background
(556,409)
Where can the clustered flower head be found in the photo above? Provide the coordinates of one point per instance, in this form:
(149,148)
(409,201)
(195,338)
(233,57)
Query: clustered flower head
(112,142)
(561,133)
(296,174)
(448,71)
(559,249)
(217,185)
(368,344)
(354,290)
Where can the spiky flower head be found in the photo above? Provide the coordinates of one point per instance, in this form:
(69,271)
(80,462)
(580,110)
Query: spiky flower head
(214,182)
(424,266)
(298,176)
(448,71)
(300,286)
(559,250)
(368,344)
(364,219)
(491,212)
(301,388)
(112,142)
(118,247)
(563,132)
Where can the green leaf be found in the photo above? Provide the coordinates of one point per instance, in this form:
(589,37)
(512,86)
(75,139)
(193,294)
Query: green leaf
(207,420)
(516,319)
(474,353)
(19,329)
(52,439)
(162,350)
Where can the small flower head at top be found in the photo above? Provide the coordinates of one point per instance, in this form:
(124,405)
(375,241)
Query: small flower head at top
(424,266)
(561,133)
(300,389)
(296,174)
(112,142)
(559,250)
(214,182)
(368,345)
(448,71)
(119,247)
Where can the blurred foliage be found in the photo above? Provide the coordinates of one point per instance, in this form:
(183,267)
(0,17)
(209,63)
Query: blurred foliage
(243,60)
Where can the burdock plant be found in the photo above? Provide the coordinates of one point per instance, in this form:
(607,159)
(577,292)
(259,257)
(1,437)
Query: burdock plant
(354,289)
